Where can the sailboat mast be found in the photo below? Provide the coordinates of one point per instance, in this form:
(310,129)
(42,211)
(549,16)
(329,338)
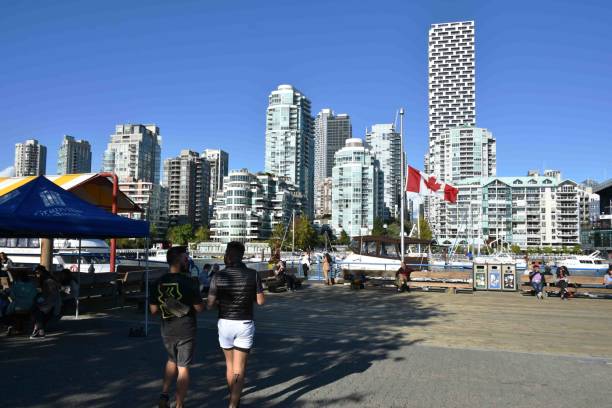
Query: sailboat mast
(403,197)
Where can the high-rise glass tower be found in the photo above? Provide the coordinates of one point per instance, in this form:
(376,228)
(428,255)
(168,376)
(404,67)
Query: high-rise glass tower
(134,153)
(452,91)
(290,141)
(30,158)
(385,143)
(331,131)
(74,156)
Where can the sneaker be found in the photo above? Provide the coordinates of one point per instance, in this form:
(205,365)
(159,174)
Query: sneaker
(164,401)
(37,335)
(9,331)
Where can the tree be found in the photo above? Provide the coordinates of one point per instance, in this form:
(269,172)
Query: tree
(425,229)
(278,232)
(577,249)
(201,234)
(547,250)
(378,229)
(516,250)
(344,238)
(305,234)
(180,234)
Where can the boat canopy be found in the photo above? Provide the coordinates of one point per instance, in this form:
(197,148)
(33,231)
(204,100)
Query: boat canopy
(42,209)
(385,247)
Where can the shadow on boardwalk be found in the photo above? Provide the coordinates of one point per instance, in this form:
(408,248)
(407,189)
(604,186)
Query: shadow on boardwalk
(304,341)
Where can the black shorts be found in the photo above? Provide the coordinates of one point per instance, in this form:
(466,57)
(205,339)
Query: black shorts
(180,351)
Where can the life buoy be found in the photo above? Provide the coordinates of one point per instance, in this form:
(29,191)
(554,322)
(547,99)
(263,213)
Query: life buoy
(74,268)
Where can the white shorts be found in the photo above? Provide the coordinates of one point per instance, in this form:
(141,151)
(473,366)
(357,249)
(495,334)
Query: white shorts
(236,334)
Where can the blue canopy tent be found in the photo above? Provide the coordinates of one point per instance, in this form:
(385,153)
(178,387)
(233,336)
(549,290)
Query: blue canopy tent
(42,209)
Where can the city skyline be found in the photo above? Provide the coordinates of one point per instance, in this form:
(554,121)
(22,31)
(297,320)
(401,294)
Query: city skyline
(518,73)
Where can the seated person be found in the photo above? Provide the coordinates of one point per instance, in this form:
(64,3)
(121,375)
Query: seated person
(21,295)
(608,278)
(402,277)
(283,277)
(48,302)
(69,290)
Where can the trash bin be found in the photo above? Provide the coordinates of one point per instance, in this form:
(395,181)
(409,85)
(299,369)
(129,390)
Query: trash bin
(509,277)
(480,276)
(494,278)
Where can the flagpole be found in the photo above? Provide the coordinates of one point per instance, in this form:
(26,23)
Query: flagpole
(403,252)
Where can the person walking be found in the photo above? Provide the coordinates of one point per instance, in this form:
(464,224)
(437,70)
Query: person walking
(537,280)
(563,281)
(234,290)
(327,262)
(305,264)
(178,299)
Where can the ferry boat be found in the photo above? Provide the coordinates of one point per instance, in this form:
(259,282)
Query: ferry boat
(382,255)
(585,264)
(25,252)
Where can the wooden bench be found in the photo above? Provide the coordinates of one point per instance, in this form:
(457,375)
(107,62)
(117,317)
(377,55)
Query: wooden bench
(269,281)
(97,284)
(588,286)
(442,280)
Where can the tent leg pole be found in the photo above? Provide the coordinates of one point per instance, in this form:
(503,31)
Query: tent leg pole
(76,298)
(146,306)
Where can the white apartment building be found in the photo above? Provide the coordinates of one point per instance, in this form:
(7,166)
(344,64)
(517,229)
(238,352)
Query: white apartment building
(74,156)
(452,90)
(290,141)
(30,158)
(187,178)
(331,131)
(250,205)
(152,199)
(385,144)
(464,152)
(219,166)
(357,189)
(134,153)
(323,197)
(531,211)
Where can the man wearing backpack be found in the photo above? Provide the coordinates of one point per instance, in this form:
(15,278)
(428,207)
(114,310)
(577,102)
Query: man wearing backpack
(177,298)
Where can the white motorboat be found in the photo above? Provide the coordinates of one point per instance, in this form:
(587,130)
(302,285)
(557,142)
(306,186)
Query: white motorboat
(580,264)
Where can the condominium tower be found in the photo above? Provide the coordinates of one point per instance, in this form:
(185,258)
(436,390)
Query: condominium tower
(385,143)
(251,205)
(187,178)
(74,156)
(134,153)
(331,131)
(290,141)
(464,152)
(452,91)
(30,158)
(218,161)
(357,197)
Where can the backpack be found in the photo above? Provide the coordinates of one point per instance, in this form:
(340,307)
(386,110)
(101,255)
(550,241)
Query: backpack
(23,295)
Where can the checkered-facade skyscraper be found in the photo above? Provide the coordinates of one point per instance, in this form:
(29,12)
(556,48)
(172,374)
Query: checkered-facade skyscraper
(452,90)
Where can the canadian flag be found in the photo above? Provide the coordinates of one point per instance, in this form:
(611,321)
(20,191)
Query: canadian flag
(421,183)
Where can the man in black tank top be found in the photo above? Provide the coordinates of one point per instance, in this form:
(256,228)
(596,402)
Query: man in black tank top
(235,289)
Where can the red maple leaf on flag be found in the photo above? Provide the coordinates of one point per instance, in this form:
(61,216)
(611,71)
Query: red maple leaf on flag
(432,184)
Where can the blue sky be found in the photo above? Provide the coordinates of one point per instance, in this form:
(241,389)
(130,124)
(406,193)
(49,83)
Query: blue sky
(202,72)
